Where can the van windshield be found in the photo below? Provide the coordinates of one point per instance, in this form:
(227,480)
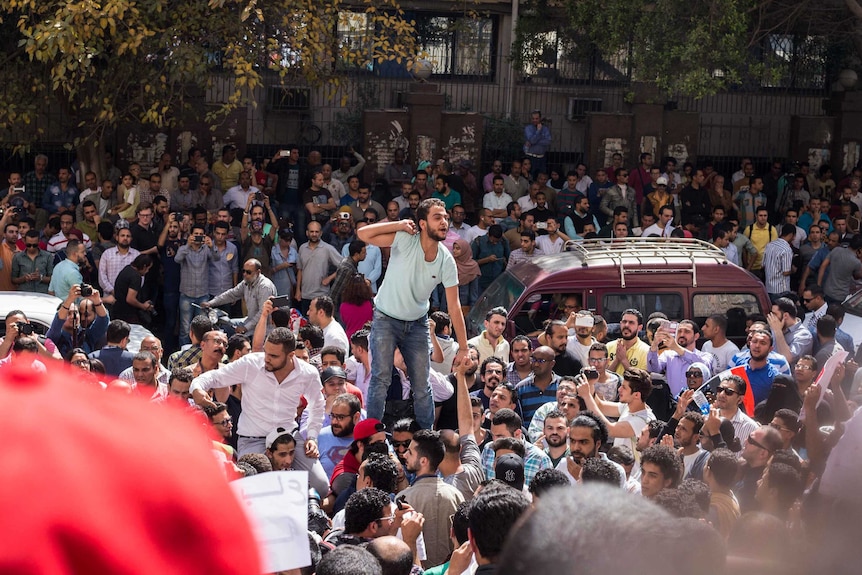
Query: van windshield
(503,292)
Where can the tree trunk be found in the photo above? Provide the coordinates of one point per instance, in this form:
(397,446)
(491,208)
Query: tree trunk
(91,155)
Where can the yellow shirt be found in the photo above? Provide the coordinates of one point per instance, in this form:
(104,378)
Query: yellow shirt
(760,237)
(636,354)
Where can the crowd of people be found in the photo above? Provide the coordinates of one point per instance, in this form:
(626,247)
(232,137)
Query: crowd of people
(343,351)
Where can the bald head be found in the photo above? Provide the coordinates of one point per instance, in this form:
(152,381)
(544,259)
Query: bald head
(393,554)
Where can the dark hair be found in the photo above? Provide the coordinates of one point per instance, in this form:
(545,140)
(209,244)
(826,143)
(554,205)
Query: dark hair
(516,446)
(200,325)
(333,350)
(723,464)
(382,471)
(787,481)
(284,337)
(325,304)
(145,356)
(509,418)
(826,326)
(666,460)
(493,513)
(677,503)
(639,381)
(313,334)
(696,418)
(142,261)
(789,417)
(699,491)
(786,305)
(118,330)
(547,479)
(720,320)
(356,291)
(430,446)
(592,421)
(215,409)
(364,507)
(441,321)
(425,207)
(461,521)
(360,338)
(355,247)
(235,343)
(596,469)
(406,424)
(634,312)
(621,454)
(184,374)
(350,400)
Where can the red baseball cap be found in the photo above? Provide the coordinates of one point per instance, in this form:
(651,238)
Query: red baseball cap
(366,428)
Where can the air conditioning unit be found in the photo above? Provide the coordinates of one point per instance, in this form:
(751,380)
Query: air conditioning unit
(285,99)
(578,107)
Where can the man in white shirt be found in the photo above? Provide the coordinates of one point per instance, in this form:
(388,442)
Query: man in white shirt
(457,224)
(496,200)
(320,313)
(272,383)
(662,227)
(728,398)
(715,331)
(554,241)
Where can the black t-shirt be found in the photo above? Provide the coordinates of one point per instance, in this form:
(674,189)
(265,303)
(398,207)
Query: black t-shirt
(262,252)
(127,278)
(567,363)
(142,240)
(289,180)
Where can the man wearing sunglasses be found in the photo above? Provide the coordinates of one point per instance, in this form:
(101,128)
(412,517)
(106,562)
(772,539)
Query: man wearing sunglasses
(728,398)
(254,289)
(757,449)
(32,267)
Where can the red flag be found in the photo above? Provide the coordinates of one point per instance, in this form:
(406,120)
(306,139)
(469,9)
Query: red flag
(748,398)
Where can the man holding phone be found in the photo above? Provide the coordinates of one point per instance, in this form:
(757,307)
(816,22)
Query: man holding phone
(194,258)
(672,353)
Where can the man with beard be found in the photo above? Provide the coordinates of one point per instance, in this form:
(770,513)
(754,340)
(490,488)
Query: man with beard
(430,495)
(579,343)
(557,338)
(556,433)
(687,435)
(401,314)
(335,439)
(491,375)
(272,383)
(113,261)
(759,370)
(491,341)
(678,354)
(629,350)
(587,433)
(281,449)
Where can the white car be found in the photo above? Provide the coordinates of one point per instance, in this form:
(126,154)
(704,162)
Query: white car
(40,310)
(852,323)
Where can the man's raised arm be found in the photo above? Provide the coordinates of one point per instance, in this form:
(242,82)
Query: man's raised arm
(383,234)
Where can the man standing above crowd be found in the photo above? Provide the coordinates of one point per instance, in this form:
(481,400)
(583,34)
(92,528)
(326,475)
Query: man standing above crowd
(253,290)
(114,259)
(402,304)
(537,140)
(194,258)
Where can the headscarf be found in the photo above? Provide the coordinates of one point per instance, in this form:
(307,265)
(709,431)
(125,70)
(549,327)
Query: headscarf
(704,369)
(468,269)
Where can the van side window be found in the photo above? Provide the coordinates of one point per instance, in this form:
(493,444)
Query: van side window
(614,304)
(736,306)
(540,308)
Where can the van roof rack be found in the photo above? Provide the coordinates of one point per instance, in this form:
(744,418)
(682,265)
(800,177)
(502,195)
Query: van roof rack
(648,252)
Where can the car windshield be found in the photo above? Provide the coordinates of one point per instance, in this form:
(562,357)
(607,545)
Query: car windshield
(503,292)
(853,304)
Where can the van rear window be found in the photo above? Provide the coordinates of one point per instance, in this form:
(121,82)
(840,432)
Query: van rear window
(614,304)
(736,306)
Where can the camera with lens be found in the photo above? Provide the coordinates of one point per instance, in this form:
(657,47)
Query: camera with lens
(178,216)
(24,328)
(86,290)
(590,372)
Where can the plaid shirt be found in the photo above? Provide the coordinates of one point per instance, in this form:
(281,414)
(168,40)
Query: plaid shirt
(34,188)
(185,358)
(111,264)
(535,461)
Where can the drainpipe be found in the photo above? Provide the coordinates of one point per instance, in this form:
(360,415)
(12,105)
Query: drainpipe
(511,88)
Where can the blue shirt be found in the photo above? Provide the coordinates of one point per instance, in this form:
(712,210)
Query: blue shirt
(66,274)
(371,267)
(760,380)
(54,198)
(89,339)
(332,449)
(540,140)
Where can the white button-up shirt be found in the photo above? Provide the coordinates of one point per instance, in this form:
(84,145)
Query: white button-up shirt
(266,402)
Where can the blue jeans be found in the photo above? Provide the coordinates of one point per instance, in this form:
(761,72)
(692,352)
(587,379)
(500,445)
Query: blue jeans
(411,337)
(187,312)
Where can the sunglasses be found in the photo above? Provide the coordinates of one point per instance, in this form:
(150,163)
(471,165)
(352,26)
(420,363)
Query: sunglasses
(727,391)
(32,245)
(693,374)
(397,444)
(247,272)
(756,443)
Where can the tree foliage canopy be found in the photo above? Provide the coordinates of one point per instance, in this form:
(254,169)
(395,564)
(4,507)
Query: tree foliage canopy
(683,47)
(103,62)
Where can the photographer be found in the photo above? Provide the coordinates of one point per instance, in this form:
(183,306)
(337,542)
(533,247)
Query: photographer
(83,325)
(17,327)
(194,258)
(257,239)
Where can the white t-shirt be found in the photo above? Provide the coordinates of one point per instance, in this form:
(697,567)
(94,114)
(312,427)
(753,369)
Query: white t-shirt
(722,354)
(655,229)
(544,244)
(334,334)
(638,420)
(688,461)
(581,351)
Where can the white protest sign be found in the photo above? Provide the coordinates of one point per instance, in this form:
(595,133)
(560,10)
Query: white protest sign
(825,377)
(277,507)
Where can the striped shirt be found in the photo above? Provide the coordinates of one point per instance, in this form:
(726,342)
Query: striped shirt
(58,242)
(777,260)
(531,397)
(743,426)
(519,255)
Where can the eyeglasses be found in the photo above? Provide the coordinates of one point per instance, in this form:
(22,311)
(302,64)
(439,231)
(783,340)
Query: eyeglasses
(597,359)
(539,360)
(756,443)
(81,362)
(143,215)
(387,518)
(338,416)
(225,422)
(694,374)
(726,391)
(404,444)
(807,299)
(247,272)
